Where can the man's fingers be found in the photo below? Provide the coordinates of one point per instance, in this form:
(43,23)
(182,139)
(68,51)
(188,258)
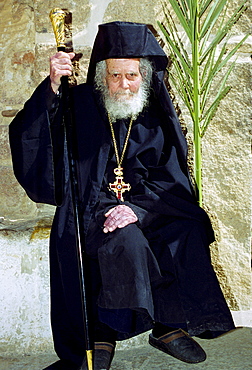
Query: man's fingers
(109,212)
(63,54)
(60,65)
(119,217)
(72,55)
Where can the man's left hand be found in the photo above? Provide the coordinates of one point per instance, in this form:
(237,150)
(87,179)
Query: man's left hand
(119,217)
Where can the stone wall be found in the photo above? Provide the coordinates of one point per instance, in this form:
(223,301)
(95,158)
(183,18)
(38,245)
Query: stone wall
(26,43)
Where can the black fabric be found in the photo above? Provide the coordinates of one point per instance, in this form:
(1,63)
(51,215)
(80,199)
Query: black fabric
(169,291)
(160,329)
(125,40)
(31,139)
(158,269)
(104,333)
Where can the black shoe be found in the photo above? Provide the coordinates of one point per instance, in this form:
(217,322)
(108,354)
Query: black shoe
(103,354)
(179,345)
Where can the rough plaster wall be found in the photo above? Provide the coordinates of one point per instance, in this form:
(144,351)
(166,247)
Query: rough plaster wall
(26,43)
(226,155)
(25,312)
(227,172)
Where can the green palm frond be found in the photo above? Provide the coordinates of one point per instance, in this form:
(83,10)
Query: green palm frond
(212,16)
(213,109)
(199,52)
(182,16)
(224,30)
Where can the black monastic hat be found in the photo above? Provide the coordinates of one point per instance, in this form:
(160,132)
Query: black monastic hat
(126,40)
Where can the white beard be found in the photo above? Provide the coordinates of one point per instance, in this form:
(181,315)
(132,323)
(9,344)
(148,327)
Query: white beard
(120,106)
(125,104)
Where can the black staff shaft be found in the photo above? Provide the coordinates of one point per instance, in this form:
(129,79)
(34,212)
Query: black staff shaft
(75,203)
(57,17)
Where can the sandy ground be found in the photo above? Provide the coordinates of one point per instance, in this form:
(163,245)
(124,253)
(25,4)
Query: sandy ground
(232,351)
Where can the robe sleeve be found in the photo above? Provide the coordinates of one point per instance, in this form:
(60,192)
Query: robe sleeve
(38,148)
(108,200)
(145,218)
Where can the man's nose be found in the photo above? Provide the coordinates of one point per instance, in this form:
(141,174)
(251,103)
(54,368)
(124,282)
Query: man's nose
(124,82)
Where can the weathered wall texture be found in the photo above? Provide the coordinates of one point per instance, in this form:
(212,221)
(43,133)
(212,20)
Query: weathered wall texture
(26,43)
(227,168)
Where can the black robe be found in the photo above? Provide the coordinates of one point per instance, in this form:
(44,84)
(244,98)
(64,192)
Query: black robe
(181,278)
(165,274)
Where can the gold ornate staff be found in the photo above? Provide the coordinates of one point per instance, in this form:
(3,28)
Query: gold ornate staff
(57,17)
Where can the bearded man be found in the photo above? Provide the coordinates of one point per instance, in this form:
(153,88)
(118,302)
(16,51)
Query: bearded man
(146,238)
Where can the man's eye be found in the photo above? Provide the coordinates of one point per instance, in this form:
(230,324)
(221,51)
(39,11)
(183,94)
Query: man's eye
(131,76)
(115,75)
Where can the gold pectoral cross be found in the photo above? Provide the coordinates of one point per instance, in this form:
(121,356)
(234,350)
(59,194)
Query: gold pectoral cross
(119,186)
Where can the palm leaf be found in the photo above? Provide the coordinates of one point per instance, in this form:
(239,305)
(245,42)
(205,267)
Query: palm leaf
(180,76)
(221,63)
(204,6)
(212,17)
(205,87)
(176,50)
(206,26)
(213,109)
(207,36)
(182,91)
(183,19)
(174,34)
(207,66)
(222,92)
(214,67)
(184,7)
(226,28)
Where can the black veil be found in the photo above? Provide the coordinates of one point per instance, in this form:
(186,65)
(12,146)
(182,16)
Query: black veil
(135,40)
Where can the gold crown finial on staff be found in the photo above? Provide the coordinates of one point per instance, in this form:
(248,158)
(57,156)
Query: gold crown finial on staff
(57,17)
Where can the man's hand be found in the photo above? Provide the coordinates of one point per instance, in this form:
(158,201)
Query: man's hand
(60,65)
(119,217)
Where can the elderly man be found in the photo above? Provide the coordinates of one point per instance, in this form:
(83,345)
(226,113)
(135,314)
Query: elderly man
(146,239)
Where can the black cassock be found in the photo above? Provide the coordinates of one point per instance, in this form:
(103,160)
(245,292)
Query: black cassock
(158,269)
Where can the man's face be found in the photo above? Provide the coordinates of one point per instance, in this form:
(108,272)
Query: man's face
(123,78)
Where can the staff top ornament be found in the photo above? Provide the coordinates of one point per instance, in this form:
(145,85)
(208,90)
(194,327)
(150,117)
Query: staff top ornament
(57,17)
